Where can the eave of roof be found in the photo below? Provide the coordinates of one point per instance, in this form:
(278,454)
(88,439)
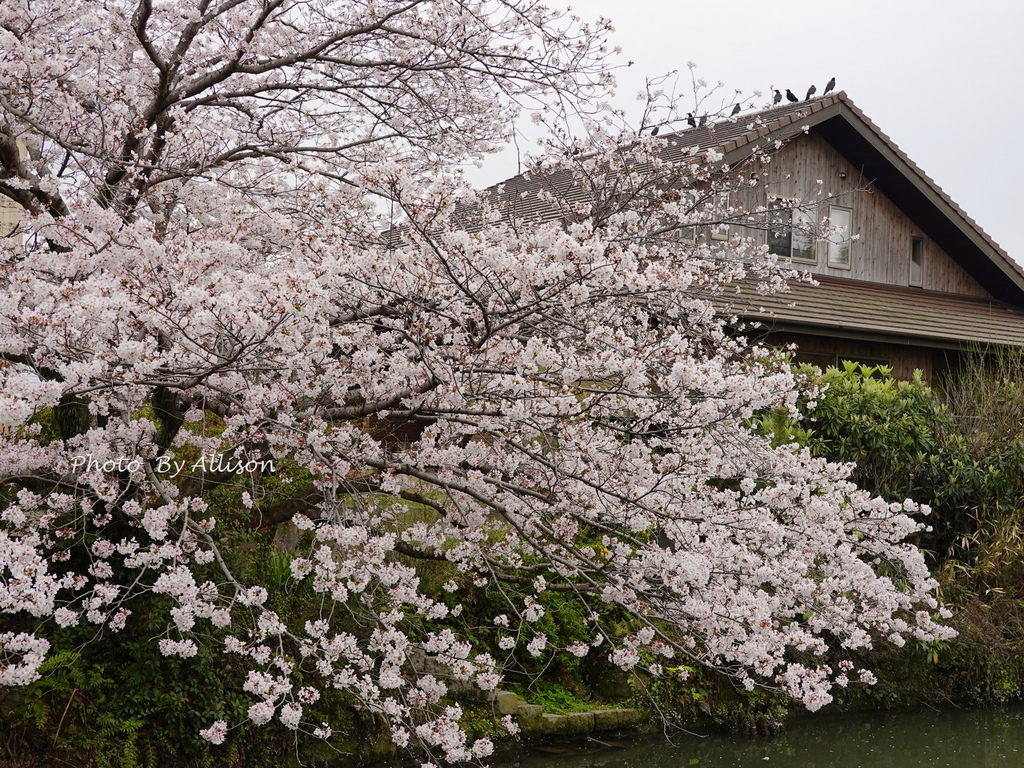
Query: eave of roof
(841,123)
(895,314)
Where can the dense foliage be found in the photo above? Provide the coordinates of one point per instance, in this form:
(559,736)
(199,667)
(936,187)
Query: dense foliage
(958,447)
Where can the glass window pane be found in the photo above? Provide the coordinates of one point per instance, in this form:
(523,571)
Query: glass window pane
(840,219)
(916,261)
(803,234)
(779,240)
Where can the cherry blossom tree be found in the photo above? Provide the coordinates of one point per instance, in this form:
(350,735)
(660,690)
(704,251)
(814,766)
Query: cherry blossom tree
(250,284)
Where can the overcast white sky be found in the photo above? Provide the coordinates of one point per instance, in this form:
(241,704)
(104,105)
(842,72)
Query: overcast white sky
(941,77)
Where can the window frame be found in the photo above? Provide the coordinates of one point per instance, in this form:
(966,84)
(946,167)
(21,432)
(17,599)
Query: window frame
(835,241)
(721,232)
(799,215)
(916,260)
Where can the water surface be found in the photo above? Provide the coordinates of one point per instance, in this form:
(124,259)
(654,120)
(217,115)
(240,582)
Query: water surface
(921,739)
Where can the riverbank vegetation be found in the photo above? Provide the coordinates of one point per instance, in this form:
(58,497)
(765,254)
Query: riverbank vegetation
(957,446)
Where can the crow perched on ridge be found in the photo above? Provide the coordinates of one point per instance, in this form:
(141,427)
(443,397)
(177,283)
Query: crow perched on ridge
(735,111)
(778,97)
(810,92)
(829,87)
(791,96)
(690,121)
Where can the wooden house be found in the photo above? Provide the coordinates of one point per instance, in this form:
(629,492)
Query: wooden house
(911,282)
(10,214)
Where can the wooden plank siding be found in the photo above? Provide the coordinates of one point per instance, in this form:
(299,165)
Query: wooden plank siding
(904,360)
(970,293)
(881,252)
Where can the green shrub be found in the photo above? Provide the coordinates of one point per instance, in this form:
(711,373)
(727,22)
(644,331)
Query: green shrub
(958,448)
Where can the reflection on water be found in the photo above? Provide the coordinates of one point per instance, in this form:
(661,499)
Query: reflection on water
(960,739)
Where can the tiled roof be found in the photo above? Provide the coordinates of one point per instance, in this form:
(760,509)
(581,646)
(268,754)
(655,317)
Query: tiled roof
(910,167)
(518,195)
(842,123)
(860,309)
(732,133)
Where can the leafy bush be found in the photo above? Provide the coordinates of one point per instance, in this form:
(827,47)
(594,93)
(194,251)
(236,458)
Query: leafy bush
(888,427)
(958,447)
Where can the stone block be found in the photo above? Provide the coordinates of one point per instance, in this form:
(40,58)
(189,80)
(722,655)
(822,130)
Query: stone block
(507,702)
(581,722)
(422,663)
(552,725)
(566,725)
(606,719)
(629,717)
(529,710)
(614,685)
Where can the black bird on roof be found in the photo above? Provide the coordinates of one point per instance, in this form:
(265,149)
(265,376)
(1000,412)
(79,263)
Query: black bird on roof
(829,87)
(735,111)
(791,96)
(655,129)
(690,121)
(778,97)
(810,92)
(703,121)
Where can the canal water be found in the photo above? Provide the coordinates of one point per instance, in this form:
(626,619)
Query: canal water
(921,739)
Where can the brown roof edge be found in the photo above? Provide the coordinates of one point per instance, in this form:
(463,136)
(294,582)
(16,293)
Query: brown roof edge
(860,309)
(793,119)
(907,290)
(772,127)
(932,185)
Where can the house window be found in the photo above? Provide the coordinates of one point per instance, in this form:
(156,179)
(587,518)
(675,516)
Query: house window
(795,237)
(916,261)
(687,235)
(9,219)
(822,360)
(721,231)
(689,201)
(841,221)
